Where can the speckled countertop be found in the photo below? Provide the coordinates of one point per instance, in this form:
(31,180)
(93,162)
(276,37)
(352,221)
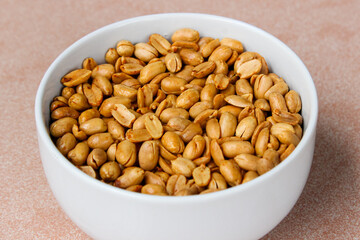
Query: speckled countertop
(325,34)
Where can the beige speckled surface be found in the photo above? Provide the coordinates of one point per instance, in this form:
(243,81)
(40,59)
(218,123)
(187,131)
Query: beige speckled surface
(325,34)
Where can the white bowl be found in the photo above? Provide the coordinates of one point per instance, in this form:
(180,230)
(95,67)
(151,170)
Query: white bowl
(248,211)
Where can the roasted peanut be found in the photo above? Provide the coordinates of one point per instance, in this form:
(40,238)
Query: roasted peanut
(96,158)
(131,176)
(110,171)
(148,155)
(231,172)
(100,140)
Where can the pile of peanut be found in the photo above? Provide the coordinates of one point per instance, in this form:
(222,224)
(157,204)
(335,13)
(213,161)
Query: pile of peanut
(182,117)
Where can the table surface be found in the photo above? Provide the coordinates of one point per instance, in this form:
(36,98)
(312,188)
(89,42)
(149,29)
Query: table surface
(325,34)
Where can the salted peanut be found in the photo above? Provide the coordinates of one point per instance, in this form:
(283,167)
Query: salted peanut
(210,78)
(105,70)
(100,140)
(169,113)
(76,77)
(123,115)
(221,81)
(154,189)
(231,149)
(280,87)
(219,101)
(173,62)
(131,68)
(262,142)
(281,127)
(262,84)
(194,148)
(221,67)
(78,102)
(111,56)
(96,158)
(165,164)
(153,126)
(150,71)
(92,126)
(190,132)
(285,117)
(221,53)
(227,124)
(217,182)
(272,155)
(293,101)
(152,178)
(145,52)
(233,44)
(104,85)
(111,152)
(163,176)
(116,130)
(183,166)
(57,104)
(298,130)
(247,161)
(202,175)
(110,171)
(191,57)
(248,56)
(271,120)
(125,48)
(203,69)
(88,171)
(185,34)
(249,68)
(123,60)
(199,107)
(126,153)
(125,91)
(287,152)
(250,175)
(161,44)
(178,123)
(172,85)
(138,135)
(79,135)
(208,92)
(259,115)
(209,47)
(185,73)
(242,86)
(282,148)
(246,128)
(213,128)
(171,99)
(198,81)
(231,61)
(277,101)
(134,188)
(273,143)
(206,157)
(62,126)
(238,101)
(246,112)
(231,109)
(284,135)
(66,143)
(184,44)
(67,92)
(216,152)
(175,183)
(89,64)
(172,142)
(262,104)
(203,41)
(204,116)
(88,114)
(258,129)
(62,112)
(231,172)
(187,99)
(131,176)
(93,94)
(264,165)
(119,77)
(148,155)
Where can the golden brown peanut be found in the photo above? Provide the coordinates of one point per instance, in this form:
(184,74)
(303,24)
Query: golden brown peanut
(154,189)
(227,124)
(111,152)
(138,135)
(191,57)
(262,104)
(259,115)
(153,126)
(57,104)
(62,112)
(187,99)
(246,128)
(230,90)
(185,73)
(202,175)
(231,149)
(134,188)
(238,101)
(111,56)
(66,143)
(62,126)
(221,81)
(208,93)
(262,84)
(100,140)
(163,175)
(190,132)
(242,86)
(105,70)
(213,128)
(298,130)
(161,44)
(88,114)
(139,123)
(183,166)
(148,155)
(231,61)
(131,68)
(116,130)
(246,112)
(89,63)
(79,135)
(131,176)
(231,109)
(203,69)
(67,92)
(79,153)
(262,142)
(76,77)
(178,123)
(219,101)
(110,171)
(221,53)
(185,34)
(217,182)
(272,155)
(104,85)
(96,158)
(233,44)
(78,102)
(277,101)
(231,172)
(120,77)
(247,161)
(194,148)
(221,67)
(285,117)
(145,52)
(280,87)
(284,136)
(250,175)
(126,153)
(172,85)
(216,152)
(273,143)
(92,126)
(88,171)
(153,178)
(150,71)
(203,117)
(169,113)
(173,62)
(199,107)
(172,142)
(175,183)
(125,48)
(287,152)
(249,68)
(93,94)
(209,47)
(293,101)
(264,165)
(125,91)
(258,129)
(123,115)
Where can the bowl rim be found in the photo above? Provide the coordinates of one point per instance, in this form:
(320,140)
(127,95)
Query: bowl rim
(43,134)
